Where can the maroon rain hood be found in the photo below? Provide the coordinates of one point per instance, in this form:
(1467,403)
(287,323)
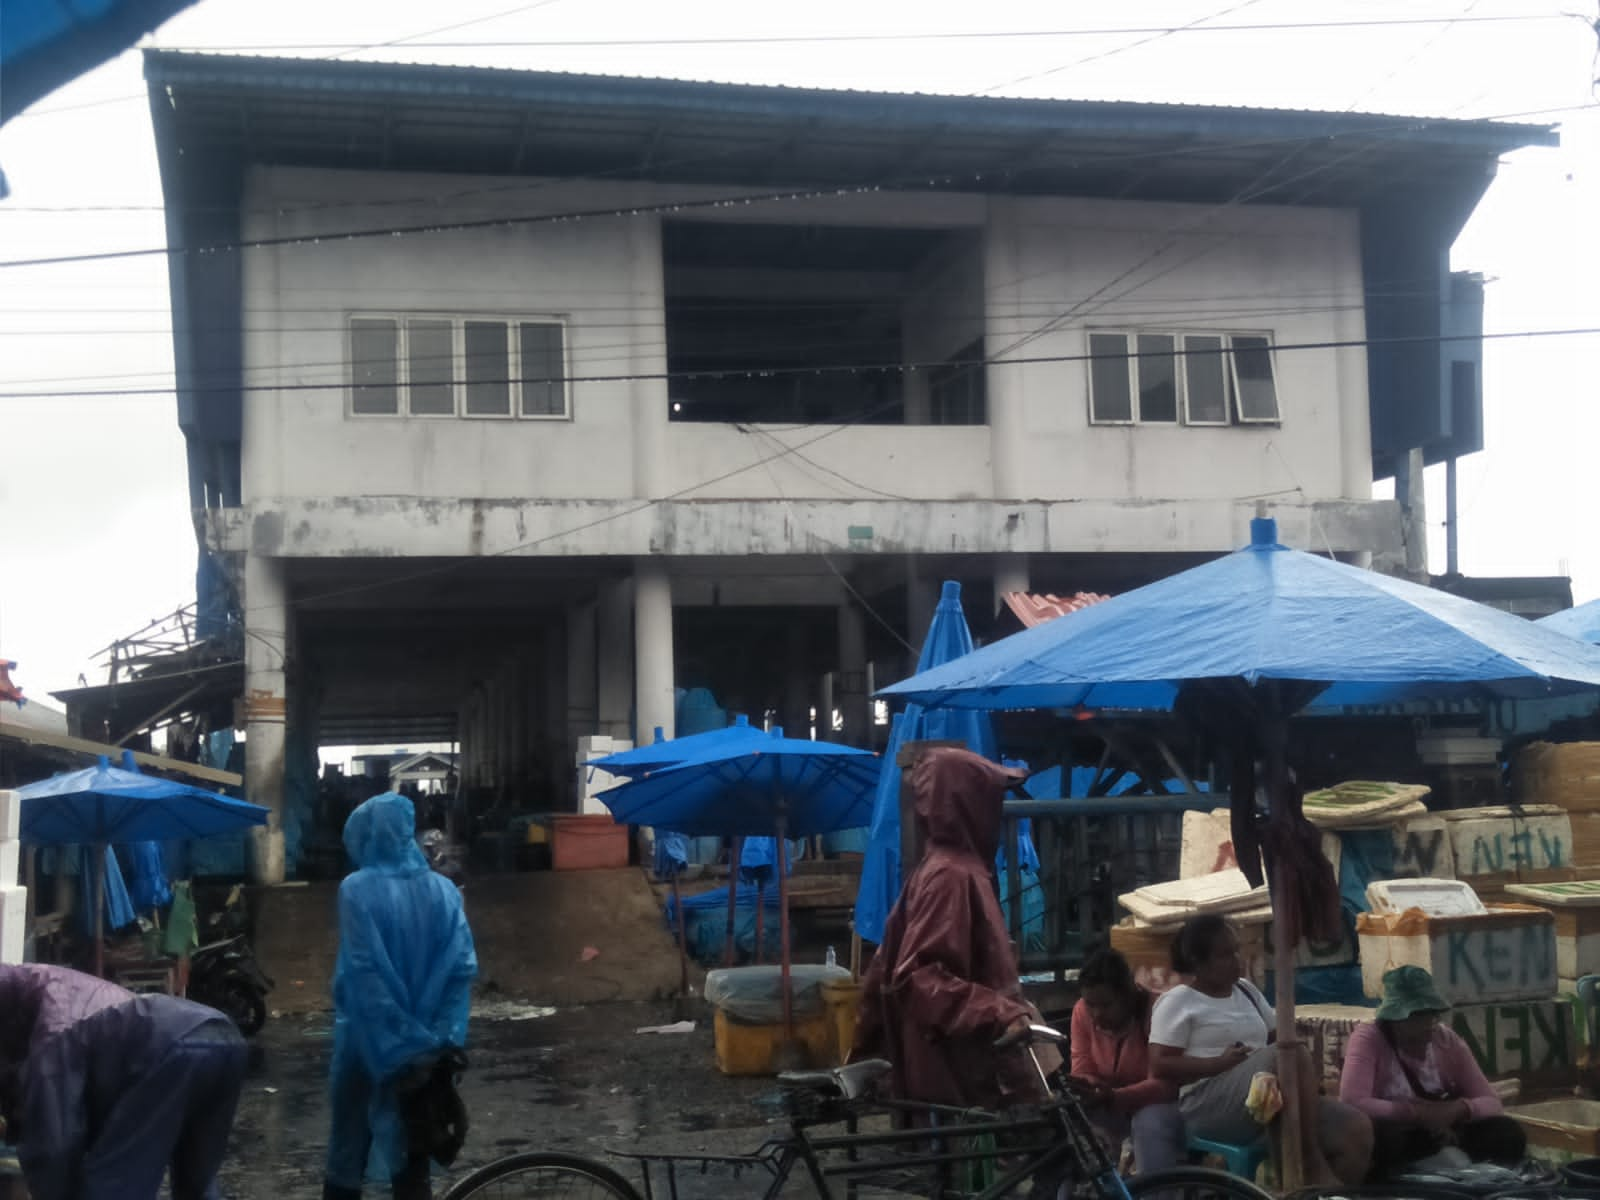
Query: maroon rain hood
(943,985)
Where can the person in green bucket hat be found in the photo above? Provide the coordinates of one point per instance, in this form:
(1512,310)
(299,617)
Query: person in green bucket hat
(1430,1105)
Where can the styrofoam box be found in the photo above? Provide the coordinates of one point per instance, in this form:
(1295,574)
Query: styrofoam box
(10,816)
(10,857)
(13,923)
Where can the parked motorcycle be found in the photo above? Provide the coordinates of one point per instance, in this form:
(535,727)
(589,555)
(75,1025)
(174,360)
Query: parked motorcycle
(224,975)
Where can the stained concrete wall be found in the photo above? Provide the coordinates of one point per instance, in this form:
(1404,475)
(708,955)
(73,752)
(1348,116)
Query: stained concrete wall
(1292,272)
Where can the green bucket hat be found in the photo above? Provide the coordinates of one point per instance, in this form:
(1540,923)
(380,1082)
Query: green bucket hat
(1408,991)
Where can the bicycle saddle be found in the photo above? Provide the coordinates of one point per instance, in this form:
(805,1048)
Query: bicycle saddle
(849,1082)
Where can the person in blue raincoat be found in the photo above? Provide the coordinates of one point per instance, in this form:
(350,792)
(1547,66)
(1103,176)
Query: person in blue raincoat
(402,991)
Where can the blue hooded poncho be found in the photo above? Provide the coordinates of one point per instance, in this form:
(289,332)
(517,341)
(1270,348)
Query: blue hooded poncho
(402,989)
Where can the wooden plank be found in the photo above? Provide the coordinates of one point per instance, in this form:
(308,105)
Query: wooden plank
(77,745)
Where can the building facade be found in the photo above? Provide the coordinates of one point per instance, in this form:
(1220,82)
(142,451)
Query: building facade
(519,403)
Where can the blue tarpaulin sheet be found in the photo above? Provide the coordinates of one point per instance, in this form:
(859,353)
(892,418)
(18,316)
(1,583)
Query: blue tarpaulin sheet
(706,924)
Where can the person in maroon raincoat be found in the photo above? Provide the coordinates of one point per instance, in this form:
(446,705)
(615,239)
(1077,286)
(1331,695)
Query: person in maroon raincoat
(943,985)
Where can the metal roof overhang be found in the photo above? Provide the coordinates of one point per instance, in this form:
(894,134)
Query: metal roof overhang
(231,110)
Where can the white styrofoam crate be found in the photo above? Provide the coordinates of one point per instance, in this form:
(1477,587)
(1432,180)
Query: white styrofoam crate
(10,858)
(10,815)
(13,923)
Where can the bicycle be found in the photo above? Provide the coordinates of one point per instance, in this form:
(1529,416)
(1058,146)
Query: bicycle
(1052,1147)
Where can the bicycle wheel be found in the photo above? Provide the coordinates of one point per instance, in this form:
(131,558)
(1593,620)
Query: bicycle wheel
(1194,1183)
(543,1176)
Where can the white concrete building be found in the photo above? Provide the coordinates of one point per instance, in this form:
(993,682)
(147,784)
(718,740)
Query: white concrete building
(517,401)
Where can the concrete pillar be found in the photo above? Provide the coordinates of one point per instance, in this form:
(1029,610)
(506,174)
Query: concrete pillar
(614,660)
(266,653)
(796,707)
(1004,386)
(922,597)
(552,745)
(583,679)
(1410,489)
(852,697)
(1010,575)
(654,699)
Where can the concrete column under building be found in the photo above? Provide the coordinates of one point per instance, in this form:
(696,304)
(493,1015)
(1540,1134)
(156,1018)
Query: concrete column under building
(654,697)
(266,702)
(614,660)
(852,694)
(1010,575)
(922,597)
(583,678)
(1003,271)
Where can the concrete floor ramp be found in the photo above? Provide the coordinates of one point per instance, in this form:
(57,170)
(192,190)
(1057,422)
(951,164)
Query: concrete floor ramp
(534,932)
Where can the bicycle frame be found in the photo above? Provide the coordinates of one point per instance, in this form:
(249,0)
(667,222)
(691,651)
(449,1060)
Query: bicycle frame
(1055,1142)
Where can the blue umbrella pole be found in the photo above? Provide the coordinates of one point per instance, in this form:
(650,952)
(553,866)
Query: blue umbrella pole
(783,929)
(735,850)
(98,892)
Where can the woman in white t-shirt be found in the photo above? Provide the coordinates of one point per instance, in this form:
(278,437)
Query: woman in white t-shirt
(1212,1035)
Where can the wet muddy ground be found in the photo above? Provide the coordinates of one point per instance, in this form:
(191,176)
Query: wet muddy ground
(578,1080)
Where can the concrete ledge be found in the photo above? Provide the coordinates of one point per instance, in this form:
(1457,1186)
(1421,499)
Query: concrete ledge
(393,526)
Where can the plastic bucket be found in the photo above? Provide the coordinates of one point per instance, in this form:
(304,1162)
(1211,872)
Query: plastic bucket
(840,998)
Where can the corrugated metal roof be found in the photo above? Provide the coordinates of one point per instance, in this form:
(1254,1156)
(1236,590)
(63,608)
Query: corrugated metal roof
(245,109)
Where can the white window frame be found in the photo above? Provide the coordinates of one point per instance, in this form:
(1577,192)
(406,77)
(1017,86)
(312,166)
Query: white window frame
(1233,414)
(458,383)
(1127,366)
(1238,393)
(1225,354)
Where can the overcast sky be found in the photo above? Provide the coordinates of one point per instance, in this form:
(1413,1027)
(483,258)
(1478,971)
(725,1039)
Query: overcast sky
(95,538)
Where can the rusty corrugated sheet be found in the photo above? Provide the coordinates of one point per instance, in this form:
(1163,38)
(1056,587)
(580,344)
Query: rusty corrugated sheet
(1033,609)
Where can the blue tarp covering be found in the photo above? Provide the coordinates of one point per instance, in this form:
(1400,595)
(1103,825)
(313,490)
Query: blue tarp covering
(119,908)
(1264,612)
(1582,622)
(706,923)
(948,638)
(150,886)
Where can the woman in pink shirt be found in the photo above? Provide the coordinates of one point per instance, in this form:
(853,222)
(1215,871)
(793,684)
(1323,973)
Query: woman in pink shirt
(1111,1063)
(1428,1099)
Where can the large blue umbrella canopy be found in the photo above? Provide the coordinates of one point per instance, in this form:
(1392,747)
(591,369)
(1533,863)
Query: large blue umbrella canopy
(947,639)
(1259,614)
(746,786)
(103,804)
(46,43)
(666,752)
(1582,622)
(1255,636)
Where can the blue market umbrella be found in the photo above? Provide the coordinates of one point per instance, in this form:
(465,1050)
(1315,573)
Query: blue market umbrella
(101,805)
(666,752)
(1252,638)
(769,786)
(47,43)
(947,639)
(1582,622)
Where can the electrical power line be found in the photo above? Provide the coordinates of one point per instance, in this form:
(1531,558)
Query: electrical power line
(820,369)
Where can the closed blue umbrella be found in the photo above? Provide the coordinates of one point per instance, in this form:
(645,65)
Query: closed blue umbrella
(771,786)
(101,805)
(1582,622)
(948,639)
(1253,637)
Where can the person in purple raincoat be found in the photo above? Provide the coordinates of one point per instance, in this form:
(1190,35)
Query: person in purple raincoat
(104,1092)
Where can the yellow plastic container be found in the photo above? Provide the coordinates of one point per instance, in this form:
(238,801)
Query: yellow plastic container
(754,1049)
(840,999)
